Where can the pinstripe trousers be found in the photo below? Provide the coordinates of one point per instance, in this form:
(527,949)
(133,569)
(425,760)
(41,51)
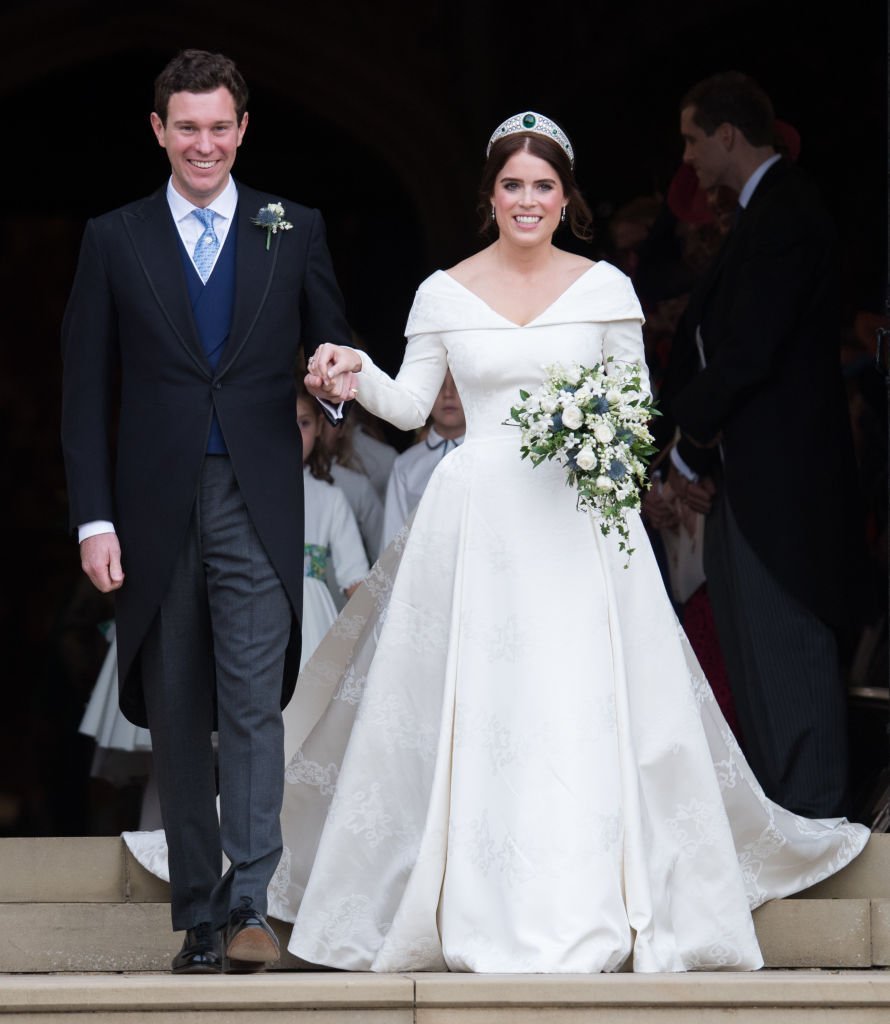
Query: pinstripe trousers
(217,645)
(784,675)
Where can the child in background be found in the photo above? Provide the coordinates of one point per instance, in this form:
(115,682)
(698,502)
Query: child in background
(331,535)
(412,470)
(349,474)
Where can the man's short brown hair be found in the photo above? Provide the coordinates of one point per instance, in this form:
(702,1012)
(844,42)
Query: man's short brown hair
(732,98)
(199,71)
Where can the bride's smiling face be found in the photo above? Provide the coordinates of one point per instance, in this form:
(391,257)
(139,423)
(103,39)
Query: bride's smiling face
(528,199)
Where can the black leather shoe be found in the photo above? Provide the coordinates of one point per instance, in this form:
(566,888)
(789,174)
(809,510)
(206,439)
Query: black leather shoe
(248,940)
(200,952)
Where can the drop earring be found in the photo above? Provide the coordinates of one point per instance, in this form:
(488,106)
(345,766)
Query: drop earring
(492,213)
(562,218)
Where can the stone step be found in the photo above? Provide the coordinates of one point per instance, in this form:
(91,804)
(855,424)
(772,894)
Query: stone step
(75,870)
(49,938)
(102,870)
(77,905)
(40,938)
(766,997)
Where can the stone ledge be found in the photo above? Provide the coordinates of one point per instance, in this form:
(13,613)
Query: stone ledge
(141,885)
(764,996)
(129,992)
(37,938)
(247,1014)
(815,933)
(867,877)
(765,988)
(880,933)
(40,938)
(101,869)
(61,870)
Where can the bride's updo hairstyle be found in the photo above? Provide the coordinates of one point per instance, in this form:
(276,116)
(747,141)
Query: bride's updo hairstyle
(578,215)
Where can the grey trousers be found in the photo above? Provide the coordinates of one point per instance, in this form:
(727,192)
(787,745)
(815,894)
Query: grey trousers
(784,675)
(218,642)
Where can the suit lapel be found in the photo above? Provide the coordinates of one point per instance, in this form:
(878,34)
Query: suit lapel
(155,239)
(707,287)
(708,291)
(254,270)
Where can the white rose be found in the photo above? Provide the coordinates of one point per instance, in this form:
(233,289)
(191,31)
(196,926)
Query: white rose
(613,397)
(573,373)
(549,404)
(603,432)
(603,483)
(572,417)
(586,459)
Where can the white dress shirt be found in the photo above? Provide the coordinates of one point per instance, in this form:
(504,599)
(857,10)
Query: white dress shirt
(190,230)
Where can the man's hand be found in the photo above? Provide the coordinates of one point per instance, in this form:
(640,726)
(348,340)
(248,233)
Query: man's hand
(100,559)
(332,373)
(698,495)
(658,508)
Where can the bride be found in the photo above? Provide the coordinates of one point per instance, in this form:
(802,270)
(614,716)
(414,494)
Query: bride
(510,760)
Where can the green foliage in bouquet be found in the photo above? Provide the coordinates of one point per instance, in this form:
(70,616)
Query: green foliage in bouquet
(595,423)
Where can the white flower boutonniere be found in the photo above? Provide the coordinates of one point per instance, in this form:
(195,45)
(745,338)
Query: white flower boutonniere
(271,217)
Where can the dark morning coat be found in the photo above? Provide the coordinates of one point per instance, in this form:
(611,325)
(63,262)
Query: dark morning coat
(772,390)
(129,319)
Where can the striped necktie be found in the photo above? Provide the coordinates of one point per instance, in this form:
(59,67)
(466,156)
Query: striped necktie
(207,246)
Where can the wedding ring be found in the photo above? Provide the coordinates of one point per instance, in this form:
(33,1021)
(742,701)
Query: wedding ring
(353,391)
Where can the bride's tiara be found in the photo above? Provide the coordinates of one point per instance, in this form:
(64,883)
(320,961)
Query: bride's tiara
(529,121)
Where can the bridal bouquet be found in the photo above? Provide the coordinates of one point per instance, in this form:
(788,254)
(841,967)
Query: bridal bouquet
(596,426)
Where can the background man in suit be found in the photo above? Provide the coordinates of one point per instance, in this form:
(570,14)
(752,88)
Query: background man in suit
(756,390)
(198,311)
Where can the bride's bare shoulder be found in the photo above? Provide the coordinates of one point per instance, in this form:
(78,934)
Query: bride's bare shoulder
(471,268)
(572,263)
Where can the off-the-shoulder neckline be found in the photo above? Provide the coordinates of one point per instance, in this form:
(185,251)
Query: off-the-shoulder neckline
(506,319)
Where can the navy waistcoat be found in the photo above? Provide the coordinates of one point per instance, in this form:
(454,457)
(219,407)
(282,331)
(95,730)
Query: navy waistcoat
(212,307)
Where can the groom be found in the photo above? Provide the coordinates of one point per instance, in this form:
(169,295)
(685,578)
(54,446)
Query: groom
(179,343)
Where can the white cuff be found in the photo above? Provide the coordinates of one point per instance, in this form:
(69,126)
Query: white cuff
(91,529)
(681,467)
(336,411)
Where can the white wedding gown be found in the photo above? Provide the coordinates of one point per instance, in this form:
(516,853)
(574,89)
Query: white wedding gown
(513,762)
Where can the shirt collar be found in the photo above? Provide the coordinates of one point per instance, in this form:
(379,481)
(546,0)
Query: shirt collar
(755,179)
(434,440)
(224,205)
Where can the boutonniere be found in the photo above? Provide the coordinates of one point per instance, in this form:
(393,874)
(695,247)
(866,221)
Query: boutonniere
(271,217)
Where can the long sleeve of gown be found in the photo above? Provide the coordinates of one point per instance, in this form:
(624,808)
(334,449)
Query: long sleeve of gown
(623,342)
(405,401)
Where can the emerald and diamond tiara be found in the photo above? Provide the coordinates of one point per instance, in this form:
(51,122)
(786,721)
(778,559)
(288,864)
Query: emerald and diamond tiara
(529,121)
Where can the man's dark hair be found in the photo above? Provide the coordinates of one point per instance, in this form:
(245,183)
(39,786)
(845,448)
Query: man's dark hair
(199,71)
(736,99)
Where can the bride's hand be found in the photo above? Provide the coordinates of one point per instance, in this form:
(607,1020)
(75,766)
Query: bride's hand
(331,373)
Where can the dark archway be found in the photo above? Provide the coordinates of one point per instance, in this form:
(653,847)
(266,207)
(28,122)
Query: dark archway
(377,114)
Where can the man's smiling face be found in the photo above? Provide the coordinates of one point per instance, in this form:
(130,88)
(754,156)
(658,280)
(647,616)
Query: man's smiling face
(201,136)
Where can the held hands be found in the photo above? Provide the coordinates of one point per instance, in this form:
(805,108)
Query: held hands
(332,373)
(100,559)
(697,495)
